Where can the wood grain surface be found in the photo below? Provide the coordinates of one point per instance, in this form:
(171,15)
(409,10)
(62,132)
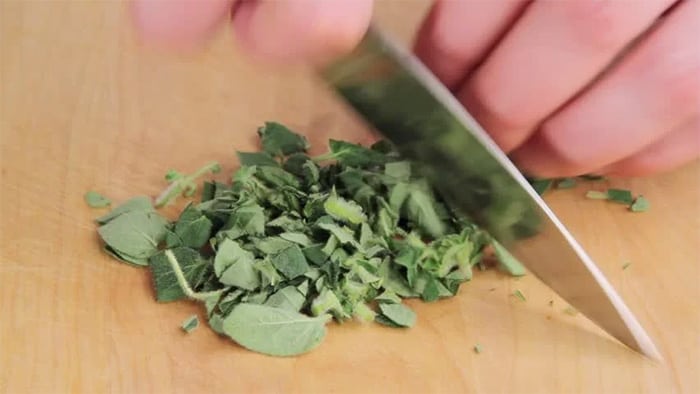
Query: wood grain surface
(84,106)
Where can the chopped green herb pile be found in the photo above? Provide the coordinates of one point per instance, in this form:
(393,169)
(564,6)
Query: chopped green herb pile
(295,241)
(96,200)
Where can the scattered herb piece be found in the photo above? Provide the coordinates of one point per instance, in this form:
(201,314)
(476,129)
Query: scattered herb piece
(541,185)
(621,196)
(477,348)
(96,200)
(519,294)
(626,265)
(190,324)
(640,204)
(570,311)
(596,195)
(566,183)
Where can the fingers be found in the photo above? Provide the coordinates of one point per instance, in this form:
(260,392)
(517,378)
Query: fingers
(655,89)
(312,30)
(283,31)
(180,24)
(677,148)
(554,50)
(457,34)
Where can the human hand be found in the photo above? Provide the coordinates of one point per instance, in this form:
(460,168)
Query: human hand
(537,75)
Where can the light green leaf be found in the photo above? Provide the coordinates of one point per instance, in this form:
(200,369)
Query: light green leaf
(290,262)
(136,233)
(399,314)
(190,324)
(344,210)
(287,298)
(274,331)
(139,203)
(234,266)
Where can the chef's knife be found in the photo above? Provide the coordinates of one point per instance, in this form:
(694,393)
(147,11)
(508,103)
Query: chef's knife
(405,103)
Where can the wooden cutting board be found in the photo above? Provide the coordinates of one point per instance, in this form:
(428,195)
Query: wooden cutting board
(83,106)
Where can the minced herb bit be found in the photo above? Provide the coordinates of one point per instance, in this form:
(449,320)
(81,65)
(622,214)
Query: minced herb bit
(96,200)
(621,196)
(190,324)
(566,183)
(596,195)
(477,348)
(570,311)
(626,265)
(640,204)
(293,241)
(519,294)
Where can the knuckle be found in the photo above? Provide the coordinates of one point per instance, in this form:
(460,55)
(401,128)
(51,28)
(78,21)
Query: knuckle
(572,161)
(601,25)
(491,104)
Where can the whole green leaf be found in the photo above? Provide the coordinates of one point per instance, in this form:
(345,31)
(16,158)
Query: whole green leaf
(399,314)
(96,200)
(274,331)
(194,267)
(290,262)
(278,140)
(135,233)
(234,266)
(138,203)
(287,298)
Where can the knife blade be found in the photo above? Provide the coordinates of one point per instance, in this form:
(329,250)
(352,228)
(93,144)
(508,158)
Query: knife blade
(398,96)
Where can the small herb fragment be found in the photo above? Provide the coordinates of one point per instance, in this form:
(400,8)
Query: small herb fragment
(570,311)
(566,183)
(596,195)
(190,324)
(626,265)
(96,200)
(477,348)
(519,294)
(621,196)
(640,204)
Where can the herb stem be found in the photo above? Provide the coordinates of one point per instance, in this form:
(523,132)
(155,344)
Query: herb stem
(203,296)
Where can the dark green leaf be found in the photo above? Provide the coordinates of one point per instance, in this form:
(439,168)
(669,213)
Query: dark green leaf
(256,159)
(278,140)
(566,183)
